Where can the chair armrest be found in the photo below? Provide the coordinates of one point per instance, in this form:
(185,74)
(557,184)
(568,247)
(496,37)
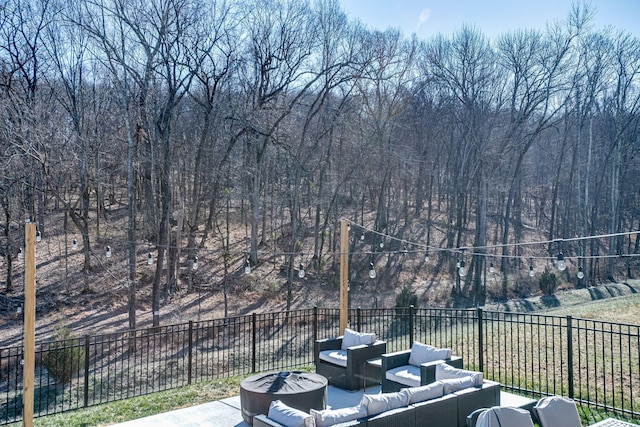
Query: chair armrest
(428,369)
(472,418)
(359,354)
(263,421)
(393,360)
(328,344)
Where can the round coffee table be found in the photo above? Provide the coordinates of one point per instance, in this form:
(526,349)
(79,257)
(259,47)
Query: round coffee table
(300,390)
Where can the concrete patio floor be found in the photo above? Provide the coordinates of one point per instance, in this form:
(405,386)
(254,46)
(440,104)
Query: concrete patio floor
(226,412)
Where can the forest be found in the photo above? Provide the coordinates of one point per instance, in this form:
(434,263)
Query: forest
(239,133)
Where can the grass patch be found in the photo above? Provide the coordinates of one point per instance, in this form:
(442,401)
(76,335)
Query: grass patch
(143,406)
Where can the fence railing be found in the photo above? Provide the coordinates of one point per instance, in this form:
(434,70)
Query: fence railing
(594,362)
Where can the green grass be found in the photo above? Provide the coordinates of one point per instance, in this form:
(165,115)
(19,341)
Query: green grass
(143,406)
(622,309)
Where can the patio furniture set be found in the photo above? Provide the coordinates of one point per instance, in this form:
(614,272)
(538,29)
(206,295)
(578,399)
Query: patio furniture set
(421,386)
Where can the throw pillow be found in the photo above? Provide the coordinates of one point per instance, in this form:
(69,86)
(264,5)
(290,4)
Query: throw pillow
(425,392)
(329,417)
(288,416)
(352,338)
(455,384)
(444,372)
(378,403)
(423,353)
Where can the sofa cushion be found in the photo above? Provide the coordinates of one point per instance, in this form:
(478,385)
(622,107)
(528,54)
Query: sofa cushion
(337,357)
(425,392)
(288,416)
(423,353)
(352,338)
(454,384)
(378,403)
(328,417)
(408,375)
(444,372)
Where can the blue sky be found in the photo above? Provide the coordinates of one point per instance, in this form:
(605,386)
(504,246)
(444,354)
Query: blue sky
(493,17)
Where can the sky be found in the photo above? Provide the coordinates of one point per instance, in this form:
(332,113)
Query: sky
(426,18)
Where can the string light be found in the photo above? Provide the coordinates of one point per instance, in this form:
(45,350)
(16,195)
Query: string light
(492,269)
(462,271)
(362,236)
(580,273)
(20,253)
(38,236)
(74,245)
(531,272)
(247,266)
(372,271)
(301,271)
(108,254)
(194,265)
(562,265)
(426,255)
(150,259)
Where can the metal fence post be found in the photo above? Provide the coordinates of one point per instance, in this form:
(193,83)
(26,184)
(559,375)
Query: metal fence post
(190,361)
(411,312)
(480,342)
(359,319)
(253,342)
(570,355)
(86,370)
(315,332)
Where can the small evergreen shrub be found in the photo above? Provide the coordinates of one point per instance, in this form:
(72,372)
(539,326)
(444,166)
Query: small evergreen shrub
(404,299)
(65,357)
(548,282)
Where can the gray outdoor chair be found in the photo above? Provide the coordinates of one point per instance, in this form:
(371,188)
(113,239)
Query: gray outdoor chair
(557,411)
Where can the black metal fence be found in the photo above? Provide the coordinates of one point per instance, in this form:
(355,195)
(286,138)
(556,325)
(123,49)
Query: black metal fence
(596,363)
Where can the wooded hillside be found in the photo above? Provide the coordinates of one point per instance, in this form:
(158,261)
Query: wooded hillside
(234,134)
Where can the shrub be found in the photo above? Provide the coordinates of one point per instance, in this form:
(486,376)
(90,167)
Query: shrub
(548,282)
(405,298)
(65,357)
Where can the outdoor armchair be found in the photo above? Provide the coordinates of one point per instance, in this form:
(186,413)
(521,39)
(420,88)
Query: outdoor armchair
(500,416)
(414,367)
(342,360)
(557,411)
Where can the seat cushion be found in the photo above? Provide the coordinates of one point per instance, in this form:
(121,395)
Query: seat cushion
(408,375)
(336,357)
(424,353)
(445,372)
(352,338)
(288,416)
(329,417)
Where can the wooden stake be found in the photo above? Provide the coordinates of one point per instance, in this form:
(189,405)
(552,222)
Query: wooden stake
(29,324)
(344,274)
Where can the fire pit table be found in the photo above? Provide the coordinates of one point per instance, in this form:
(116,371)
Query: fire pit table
(300,390)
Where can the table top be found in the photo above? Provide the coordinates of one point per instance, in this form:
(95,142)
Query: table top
(284,382)
(612,422)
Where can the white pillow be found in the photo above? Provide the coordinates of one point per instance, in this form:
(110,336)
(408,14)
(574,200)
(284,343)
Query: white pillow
(456,384)
(423,353)
(425,392)
(378,403)
(329,417)
(352,338)
(445,372)
(288,416)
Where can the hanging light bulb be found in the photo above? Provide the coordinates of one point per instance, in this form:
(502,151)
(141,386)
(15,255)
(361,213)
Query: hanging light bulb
(301,271)
(247,267)
(150,259)
(194,265)
(458,263)
(580,273)
(462,270)
(74,245)
(38,236)
(20,253)
(426,256)
(372,271)
(108,252)
(531,272)
(492,269)
(562,265)
(381,245)
(362,236)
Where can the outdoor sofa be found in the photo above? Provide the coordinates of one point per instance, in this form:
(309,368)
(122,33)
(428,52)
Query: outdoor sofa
(342,360)
(443,403)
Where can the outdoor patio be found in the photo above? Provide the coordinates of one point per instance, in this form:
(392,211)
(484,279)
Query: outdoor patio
(226,412)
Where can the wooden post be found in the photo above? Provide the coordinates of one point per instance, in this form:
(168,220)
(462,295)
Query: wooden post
(29,324)
(344,274)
